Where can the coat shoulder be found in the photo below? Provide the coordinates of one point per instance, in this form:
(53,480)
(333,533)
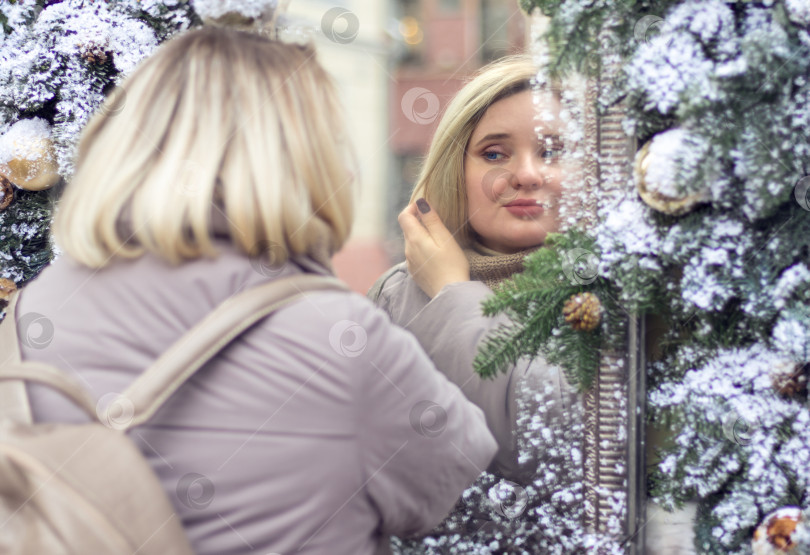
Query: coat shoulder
(394,275)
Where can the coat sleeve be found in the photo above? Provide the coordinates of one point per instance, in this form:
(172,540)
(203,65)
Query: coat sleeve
(422,442)
(450,328)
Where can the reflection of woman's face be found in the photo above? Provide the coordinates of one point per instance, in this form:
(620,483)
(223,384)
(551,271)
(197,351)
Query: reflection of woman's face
(513,178)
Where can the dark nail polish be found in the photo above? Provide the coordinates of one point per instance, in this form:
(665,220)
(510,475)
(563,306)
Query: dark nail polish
(422,205)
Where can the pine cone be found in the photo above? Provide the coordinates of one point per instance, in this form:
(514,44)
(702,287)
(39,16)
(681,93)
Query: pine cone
(95,54)
(790,380)
(7,287)
(6,192)
(583,311)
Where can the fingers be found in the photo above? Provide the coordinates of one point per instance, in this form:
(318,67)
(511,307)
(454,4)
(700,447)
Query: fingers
(409,222)
(432,222)
(419,217)
(433,257)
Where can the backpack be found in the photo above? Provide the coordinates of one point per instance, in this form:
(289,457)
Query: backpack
(86,488)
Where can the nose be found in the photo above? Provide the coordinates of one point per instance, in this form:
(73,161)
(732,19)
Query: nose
(531,172)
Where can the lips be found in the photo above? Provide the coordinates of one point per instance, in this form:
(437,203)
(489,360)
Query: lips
(528,202)
(527,208)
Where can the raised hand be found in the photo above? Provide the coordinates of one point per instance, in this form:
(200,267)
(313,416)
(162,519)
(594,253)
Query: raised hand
(433,256)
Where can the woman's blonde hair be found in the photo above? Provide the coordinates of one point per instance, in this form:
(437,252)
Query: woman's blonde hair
(441,180)
(216,120)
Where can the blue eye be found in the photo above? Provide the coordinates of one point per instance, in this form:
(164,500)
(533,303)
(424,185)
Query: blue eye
(491,155)
(551,148)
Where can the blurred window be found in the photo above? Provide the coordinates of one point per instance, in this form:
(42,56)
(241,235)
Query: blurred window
(495,29)
(411,32)
(449,6)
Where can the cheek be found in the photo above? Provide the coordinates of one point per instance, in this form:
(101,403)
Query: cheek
(556,189)
(487,185)
(555,183)
(472,182)
(478,205)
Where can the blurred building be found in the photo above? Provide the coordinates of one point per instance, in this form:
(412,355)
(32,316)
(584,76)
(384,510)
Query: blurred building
(398,63)
(356,48)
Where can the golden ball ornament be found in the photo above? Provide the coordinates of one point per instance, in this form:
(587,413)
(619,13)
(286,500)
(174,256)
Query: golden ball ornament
(34,168)
(652,184)
(782,531)
(7,287)
(260,16)
(231,19)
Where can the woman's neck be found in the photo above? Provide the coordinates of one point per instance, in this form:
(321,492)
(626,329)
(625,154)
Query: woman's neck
(493,267)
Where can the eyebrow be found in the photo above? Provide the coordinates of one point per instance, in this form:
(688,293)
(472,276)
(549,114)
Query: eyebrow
(493,137)
(499,136)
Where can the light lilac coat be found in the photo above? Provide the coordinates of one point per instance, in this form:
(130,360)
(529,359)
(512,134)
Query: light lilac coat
(450,327)
(323,429)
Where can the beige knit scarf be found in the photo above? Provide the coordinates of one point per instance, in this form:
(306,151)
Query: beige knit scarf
(493,267)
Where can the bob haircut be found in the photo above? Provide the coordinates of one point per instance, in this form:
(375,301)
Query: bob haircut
(441,180)
(217,120)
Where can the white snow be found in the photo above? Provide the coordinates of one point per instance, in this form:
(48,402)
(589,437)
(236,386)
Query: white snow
(791,279)
(23,140)
(212,9)
(792,337)
(662,158)
(799,11)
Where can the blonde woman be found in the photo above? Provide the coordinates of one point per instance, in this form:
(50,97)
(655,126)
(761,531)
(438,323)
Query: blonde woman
(296,438)
(487,195)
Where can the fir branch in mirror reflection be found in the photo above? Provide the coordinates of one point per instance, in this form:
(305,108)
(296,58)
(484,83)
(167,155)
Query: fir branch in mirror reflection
(535,299)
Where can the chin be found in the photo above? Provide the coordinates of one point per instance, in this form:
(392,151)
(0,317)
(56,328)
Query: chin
(510,243)
(513,247)
(530,243)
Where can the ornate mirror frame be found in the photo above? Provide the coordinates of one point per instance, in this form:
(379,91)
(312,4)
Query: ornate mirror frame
(615,405)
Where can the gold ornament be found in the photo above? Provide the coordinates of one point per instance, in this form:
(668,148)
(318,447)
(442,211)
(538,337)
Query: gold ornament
(231,19)
(650,192)
(35,167)
(7,287)
(583,311)
(6,192)
(790,379)
(265,22)
(776,533)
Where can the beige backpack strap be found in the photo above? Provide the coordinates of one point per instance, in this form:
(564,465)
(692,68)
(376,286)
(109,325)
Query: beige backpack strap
(202,342)
(13,397)
(14,373)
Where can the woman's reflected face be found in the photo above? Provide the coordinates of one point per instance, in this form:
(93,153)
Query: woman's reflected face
(513,173)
